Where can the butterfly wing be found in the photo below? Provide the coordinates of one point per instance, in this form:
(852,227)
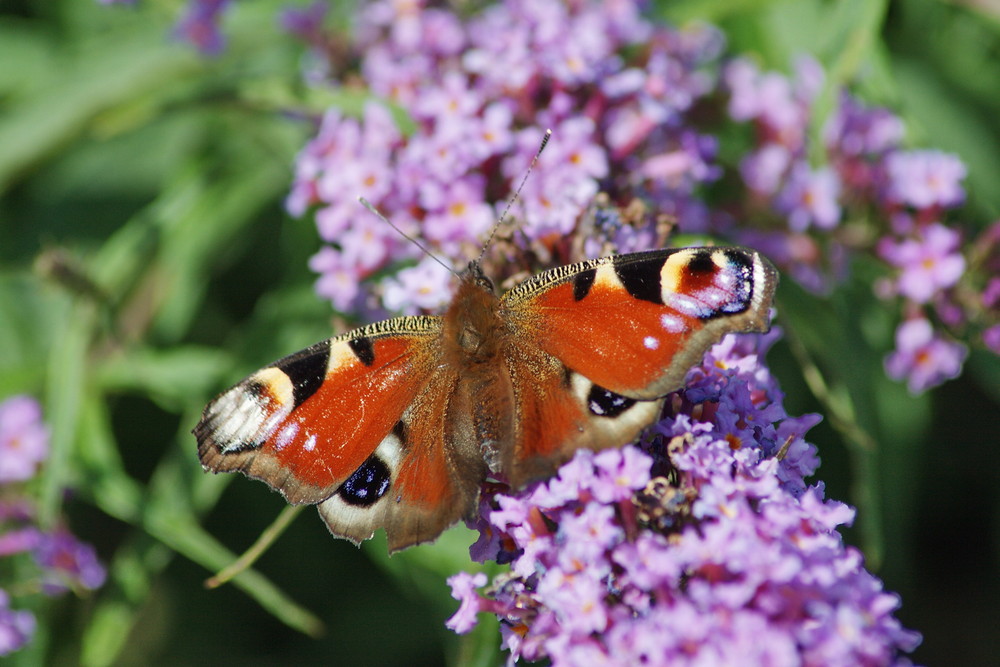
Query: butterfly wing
(426,473)
(355,423)
(615,335)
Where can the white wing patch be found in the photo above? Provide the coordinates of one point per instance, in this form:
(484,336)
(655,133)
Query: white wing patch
(248,416)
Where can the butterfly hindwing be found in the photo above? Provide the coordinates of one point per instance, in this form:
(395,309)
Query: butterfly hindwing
(559,411)
(419,480)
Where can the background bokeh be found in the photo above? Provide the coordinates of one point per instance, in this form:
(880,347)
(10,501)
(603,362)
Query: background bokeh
(131,162)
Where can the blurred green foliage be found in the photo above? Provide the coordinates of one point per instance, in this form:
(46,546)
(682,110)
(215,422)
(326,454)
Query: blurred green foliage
(147,263)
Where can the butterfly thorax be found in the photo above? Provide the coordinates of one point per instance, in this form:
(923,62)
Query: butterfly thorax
(472,325)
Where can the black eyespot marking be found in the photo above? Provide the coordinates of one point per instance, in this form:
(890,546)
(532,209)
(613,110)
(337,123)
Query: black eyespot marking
(363,349)
(702,262)
(641,279)
(582,282)
(604,403)
(367,484)
(306,372)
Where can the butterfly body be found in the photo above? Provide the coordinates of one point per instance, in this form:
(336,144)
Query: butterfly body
(396,424)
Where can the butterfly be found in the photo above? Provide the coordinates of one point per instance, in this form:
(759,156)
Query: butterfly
(396,425)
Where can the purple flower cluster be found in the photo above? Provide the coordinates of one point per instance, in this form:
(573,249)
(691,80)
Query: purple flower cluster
(63,562)
(630,103)
(481,93)
(869,177)
(701,545)
(623,99)
(777,168)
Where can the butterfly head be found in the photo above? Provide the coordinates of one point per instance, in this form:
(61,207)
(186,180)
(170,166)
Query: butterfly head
(474,274)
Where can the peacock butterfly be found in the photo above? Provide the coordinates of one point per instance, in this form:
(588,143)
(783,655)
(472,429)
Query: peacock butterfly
(397,424)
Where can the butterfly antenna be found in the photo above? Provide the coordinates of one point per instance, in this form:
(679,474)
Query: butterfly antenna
(510,202)
(368,205)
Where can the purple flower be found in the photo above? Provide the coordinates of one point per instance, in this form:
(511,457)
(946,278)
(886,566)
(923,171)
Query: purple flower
(680,168)
(619,473)
(305,23)
(810,198)
(764,169)
(771,99)
(729,559)
(991,294)
(463,587)
(16,627)
(577,149)
(991,338)
(922,358)
(366,245)
(591,532)
(24,439)
(809,78)
(20,540)
(64,561)
(928,264)
(425,286)
(456,212)
(855,130)
(67,563)
(925,178)
(474,137)
(452,101)
(338,279)
(200,25)
(491,134)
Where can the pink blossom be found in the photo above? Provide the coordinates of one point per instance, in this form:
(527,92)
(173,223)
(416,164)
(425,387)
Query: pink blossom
(425,286)
(925,178)
(928,264)
(16,627)
(922,358)
(811,198)
(463,587)
(24,439)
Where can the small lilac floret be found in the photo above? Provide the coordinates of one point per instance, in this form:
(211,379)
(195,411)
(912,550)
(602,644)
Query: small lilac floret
(24,439)
(923,358)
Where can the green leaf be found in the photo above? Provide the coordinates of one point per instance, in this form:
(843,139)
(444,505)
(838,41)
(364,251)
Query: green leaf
(66,387)
(81,84)
(171,376)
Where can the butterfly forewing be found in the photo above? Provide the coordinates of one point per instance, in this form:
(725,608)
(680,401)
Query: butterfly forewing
(306,423)
(634,324)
